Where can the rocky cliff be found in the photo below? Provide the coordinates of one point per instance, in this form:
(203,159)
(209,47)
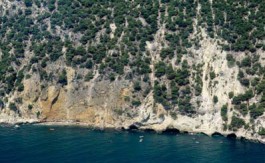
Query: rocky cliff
(195,66)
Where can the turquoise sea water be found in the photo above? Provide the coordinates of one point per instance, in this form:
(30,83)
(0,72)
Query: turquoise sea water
(75,144)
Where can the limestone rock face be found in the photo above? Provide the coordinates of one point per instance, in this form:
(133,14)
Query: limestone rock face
(102,73)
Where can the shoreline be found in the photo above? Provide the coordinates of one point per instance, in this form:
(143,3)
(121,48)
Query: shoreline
(151,130)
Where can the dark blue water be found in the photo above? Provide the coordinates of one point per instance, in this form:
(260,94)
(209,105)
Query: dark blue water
(76,144)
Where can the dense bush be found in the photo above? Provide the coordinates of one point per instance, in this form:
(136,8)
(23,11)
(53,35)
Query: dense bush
(212,75)
(28,3)
(215,99)
(13,107)
(89,76)
(261,131)
(230,60)
(236,123)
(136,103)
(256,112)
(63,78)
(224,112)
(160,68)
(137,86)
(246,62)
(243,109)
(243,97)
(231,95)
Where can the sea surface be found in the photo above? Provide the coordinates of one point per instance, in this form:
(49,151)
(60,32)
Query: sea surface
(48,144)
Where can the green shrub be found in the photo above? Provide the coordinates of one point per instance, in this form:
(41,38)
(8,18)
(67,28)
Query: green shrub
(89,76)
(28,3)
(89,64)
(112,77)
(13,107)
(170,73)
(230,60)
(173,115)
(118,111)
(20,87)
(127,98)
(212,75)
(255,82)
(198,90)
(182,77)
(243,97)
(243,109)
(231,95)
(256,112)
(261,87)
(185,106)
(224,112)
(160,93)
(246,62)
(215,99)
(167,52)
(240,74)
(244,82)
(261,131)
(160,69)
(137,86)
(136,103)
(63,78)
(38,113)
(236,123)
(30,107)
(1,104)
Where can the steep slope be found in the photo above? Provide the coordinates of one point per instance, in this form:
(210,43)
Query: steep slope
(193,65)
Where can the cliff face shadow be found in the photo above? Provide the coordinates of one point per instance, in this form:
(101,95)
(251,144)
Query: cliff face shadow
(231,136)
(171,131)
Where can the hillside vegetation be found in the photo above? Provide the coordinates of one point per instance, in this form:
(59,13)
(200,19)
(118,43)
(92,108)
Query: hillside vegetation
(191,57)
